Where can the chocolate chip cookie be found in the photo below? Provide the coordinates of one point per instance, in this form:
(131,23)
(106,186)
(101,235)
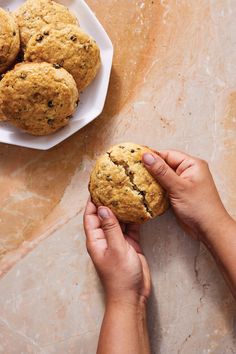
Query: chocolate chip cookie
(38,97)
(9,40)
(69,47)
(120,181)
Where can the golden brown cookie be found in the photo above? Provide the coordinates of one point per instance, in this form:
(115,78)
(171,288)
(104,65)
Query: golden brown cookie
(69,47)
(38,97)
(9,40)
(34,14)
(120,181)
(2,117)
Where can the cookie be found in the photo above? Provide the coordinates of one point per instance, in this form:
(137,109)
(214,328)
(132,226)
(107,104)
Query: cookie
(2,117)
(34,14)
(69,47)
(38,97)
(9,40)
(120,181)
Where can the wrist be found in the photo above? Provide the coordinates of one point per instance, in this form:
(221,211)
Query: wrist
(216,226)
(127,300)
(130,309)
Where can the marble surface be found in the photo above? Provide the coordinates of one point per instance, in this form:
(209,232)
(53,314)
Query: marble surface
(173,85)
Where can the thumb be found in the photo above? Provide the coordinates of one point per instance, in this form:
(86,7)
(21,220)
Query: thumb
(111,228)
(162,172)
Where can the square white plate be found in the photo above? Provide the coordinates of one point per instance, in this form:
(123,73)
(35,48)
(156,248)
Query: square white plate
(92,99)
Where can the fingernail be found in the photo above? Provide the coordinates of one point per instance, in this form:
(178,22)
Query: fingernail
(103,213)
(148,159)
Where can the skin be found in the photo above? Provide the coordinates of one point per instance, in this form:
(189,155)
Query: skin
(118,258)
(197,205)
(125,276)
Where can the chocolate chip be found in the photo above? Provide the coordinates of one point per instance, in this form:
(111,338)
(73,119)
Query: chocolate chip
(87,46)
(57,66)
(46,33)
(14,33)
(50,122)
(23,76)
(82,65)
(50,104)
(73,38)
(132,151)
(39,38)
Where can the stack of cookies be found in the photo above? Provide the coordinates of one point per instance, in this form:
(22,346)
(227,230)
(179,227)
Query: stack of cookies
(56,60)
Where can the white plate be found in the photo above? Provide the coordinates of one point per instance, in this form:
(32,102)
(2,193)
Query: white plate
(93,98)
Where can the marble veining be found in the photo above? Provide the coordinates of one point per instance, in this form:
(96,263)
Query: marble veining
(173,85)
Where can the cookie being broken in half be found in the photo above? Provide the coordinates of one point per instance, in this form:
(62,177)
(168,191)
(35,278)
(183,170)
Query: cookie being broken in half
(121,182)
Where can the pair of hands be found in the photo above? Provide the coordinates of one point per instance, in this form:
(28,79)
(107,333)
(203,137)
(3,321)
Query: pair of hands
(115,249)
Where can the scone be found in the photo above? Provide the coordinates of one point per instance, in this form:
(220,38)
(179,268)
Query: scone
(69,47)
(9,40)
(2,117)
(121,182)
(38,97)
(34,14)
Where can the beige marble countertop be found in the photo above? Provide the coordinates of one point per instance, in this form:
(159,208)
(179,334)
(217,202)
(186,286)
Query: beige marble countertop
(173,85)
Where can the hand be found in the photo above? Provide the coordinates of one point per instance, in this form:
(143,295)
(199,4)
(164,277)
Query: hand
(192,191)
(117,256)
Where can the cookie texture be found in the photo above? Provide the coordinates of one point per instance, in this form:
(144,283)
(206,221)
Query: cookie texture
(120,181)
(69,47)
(9,40)
(38,97)
(34,14)
(2,117)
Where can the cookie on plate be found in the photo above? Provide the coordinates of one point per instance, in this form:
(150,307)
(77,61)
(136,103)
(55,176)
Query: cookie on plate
(120,181)
(9,40)
(3,118)
(34,14)
(69,47)
(38,97)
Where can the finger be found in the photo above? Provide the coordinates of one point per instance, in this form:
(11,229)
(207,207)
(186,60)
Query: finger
(134,244)
(111,229)
(173,158)
(91,221)
(161,171)
(133,231)
(185,165)
(146,275)
(123,227)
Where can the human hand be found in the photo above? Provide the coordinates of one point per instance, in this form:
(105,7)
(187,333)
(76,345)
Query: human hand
(117,256)
(192,191)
